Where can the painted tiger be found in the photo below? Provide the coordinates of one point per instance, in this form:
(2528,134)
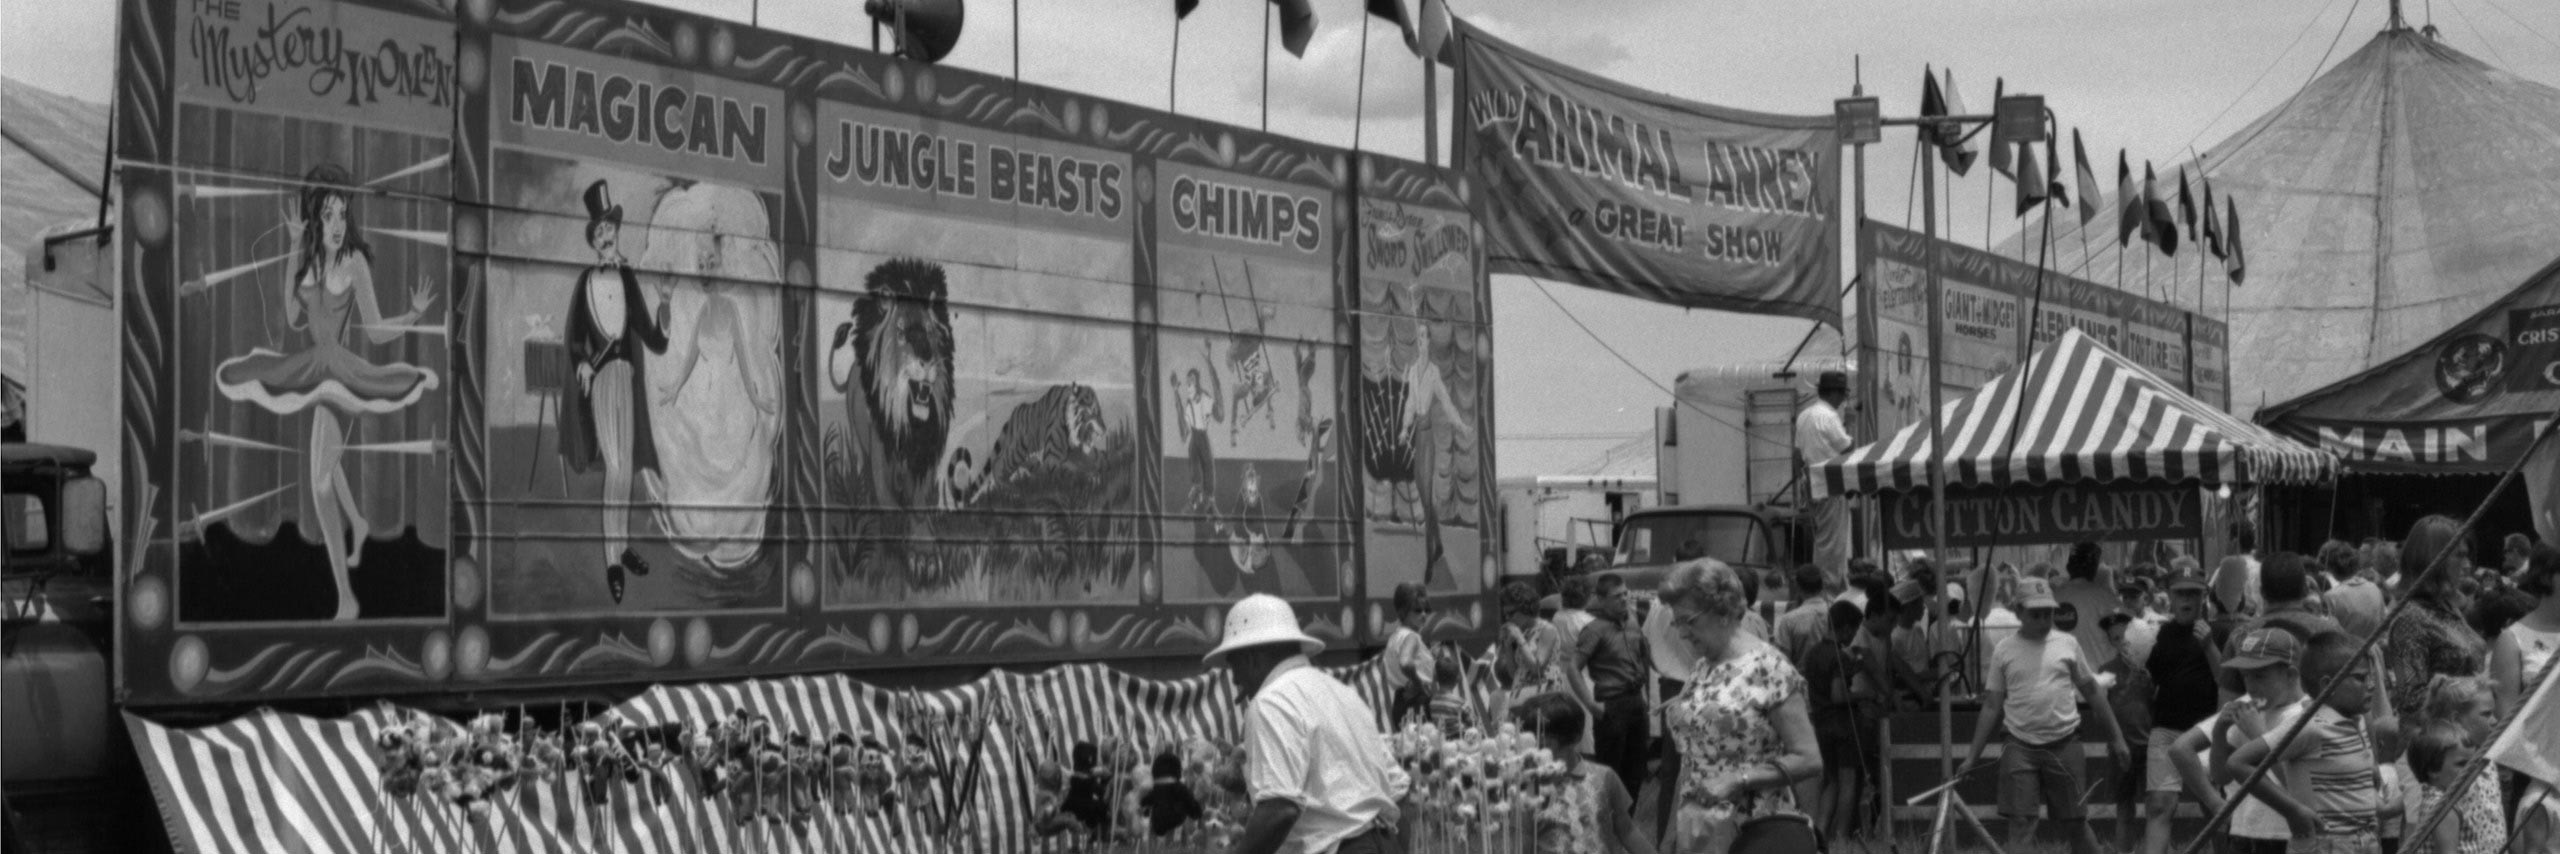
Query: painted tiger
(1063,426)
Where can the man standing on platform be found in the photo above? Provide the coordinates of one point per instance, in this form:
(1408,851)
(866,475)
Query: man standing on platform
(1319,772)
(1820,435)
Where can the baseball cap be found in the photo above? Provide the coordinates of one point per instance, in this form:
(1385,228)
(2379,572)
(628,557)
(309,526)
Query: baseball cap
(1908,592)
(2035,593)
(2264,647)
(2188,581)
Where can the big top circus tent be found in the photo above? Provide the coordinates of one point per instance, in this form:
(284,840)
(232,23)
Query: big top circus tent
(2399,192)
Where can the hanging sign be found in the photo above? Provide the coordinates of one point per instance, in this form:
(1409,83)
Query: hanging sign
(1600,184)
(2060,513)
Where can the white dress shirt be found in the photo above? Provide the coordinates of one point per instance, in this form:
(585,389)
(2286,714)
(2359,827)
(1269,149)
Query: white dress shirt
(1311,741)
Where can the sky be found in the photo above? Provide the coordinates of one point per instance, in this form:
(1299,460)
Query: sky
(2154,77)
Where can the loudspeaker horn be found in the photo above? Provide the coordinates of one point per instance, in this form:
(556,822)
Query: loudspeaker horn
(927,29)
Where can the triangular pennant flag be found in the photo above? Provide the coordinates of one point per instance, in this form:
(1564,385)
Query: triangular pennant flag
(2088,178)
(2159,226)
(2212,228)
(2187,207)
(2000,146)
(1297,25)
(1958,150)
(1394,12)
(2031,187)
(1182,8)
(2129,215)
(1433,31)
(2235,264)
(2054,190)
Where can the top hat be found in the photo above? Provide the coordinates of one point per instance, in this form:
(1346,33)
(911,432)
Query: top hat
(600,206)
(1831,381)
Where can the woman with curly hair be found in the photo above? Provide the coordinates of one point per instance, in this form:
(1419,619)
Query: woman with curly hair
(2431,637)
(1742,727)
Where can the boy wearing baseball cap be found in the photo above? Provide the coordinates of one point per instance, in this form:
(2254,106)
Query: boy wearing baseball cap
(2267,660)
(2032,690)
(2330,795)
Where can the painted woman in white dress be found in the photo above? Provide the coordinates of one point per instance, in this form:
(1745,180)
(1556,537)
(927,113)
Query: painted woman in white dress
(331,299)
(716,410)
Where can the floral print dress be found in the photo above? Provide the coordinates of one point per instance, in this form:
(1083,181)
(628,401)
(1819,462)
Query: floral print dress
(2429,639)
(1727,723)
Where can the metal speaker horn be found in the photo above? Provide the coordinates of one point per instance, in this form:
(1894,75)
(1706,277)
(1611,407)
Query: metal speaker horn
(927,29)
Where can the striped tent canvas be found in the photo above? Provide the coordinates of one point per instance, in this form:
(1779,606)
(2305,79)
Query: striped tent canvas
(2090,416)
(271,782)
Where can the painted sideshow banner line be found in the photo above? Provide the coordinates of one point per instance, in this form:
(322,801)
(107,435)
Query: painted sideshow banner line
(337,62)
(636,391)
(1248,348)
(976,362)
(2209,353)
(1424,350)
(2061,513)
(1604,185)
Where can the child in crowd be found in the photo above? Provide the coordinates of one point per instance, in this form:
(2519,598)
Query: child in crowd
(2438,754)
(1409,666)
(1168,804)
(1448,707)
(1599,811)
(2129,693)
(1831,673)
(2464,706)
(2329,796)
(2268,661)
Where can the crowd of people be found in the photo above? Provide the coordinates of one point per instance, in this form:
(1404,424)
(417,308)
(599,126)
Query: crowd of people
(1752,709)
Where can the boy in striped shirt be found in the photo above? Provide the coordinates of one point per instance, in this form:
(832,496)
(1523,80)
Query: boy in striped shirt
(2331,796)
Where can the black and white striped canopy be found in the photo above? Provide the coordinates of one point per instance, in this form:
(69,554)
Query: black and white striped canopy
(2090,416)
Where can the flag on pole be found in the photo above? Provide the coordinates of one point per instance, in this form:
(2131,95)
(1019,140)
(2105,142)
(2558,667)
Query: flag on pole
(1297,25)
(2088,180)
(2159,225)
(1182,8)
(2526,744)
(2000,161)
(2212,230)
(1393,11)
(2129,215)
(1947,136)
(2031,184)
(1433,31)
(2235,264)
(2054,190)
(2187,207)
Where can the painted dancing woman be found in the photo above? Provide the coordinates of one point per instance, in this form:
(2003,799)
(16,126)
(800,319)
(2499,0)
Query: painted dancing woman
(331,299)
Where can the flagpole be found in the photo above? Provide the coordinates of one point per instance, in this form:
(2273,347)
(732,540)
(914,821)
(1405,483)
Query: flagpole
(1360,96)
(1267,12)
(1430,104)
(1017,38)
(1173,69)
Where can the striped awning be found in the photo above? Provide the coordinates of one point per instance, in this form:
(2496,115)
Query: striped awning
(2090,416)
(271,782)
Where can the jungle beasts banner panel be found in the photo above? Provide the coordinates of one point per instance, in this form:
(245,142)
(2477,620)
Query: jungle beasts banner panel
(696,351)
(288,295)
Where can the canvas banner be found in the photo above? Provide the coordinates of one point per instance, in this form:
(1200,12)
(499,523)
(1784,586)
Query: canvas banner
(2472,400)
(1596,183)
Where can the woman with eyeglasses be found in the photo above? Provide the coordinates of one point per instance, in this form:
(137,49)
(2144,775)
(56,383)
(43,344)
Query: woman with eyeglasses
(1741,725)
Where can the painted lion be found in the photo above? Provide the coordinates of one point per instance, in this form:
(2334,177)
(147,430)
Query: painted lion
(899,342)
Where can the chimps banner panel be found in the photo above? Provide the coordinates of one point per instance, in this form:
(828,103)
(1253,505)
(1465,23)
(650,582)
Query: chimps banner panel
(519,344)
(1600,184)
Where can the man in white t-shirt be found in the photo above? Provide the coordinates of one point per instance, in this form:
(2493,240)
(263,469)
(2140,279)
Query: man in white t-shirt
(1821,434)
(1320,775)
(2032,692)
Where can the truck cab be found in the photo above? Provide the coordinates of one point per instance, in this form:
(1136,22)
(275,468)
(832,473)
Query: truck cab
(1750,538)
(72,783)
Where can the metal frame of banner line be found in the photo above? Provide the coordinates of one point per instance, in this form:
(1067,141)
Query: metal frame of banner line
(2321,697)
(2019,118)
